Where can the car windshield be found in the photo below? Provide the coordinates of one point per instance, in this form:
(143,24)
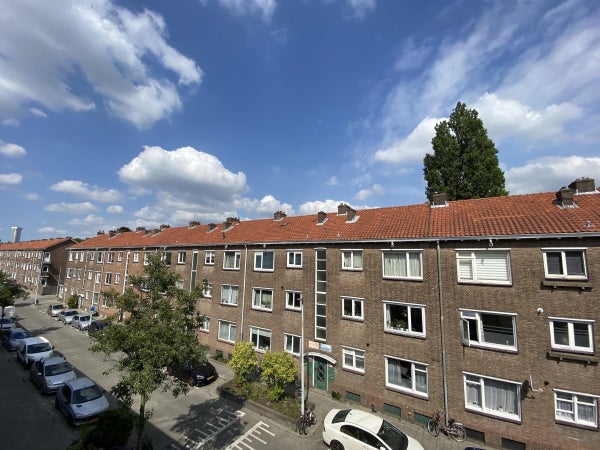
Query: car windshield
(340,416)
(70,313)
(57,369)
(392,436)
(87,394)
(19,335)
(38,348)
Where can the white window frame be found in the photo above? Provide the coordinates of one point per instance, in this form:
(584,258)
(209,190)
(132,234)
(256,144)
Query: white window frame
(469,315)
(292,256)
(136,257)
(208,290)
(564,266)
(290,341)
(237,256)
(482,408)
(226,294)
(291,297)
(352,259)
(100,257)
(118,278)
(571,347)
(119,256)
(353,359)
(416,367)
(97,277)
(410,327)
(209,258)
(480,266)
(231,331)
(354,302)
(108,278)
(409,275)
(259,261)
(181,257)
(256,333)
(257,299)
(110,257)
(204,326)
(572,415)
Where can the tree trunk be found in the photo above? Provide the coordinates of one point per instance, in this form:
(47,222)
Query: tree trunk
(141,422)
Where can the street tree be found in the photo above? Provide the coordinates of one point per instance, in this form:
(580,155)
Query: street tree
(10,291)
(244,362)
(278,369)
(464,163)
(158,331)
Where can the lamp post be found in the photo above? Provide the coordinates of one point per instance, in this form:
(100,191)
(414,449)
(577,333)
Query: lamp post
(302,355)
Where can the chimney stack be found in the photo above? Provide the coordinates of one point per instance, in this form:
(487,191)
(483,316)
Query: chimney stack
(279,215)
(583,184)
(439,199)
(565,197)
(321,217)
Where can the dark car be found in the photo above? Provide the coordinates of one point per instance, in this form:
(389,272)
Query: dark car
(199,375)
(96,325)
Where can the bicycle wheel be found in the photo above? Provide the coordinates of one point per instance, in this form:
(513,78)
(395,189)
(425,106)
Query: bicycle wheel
(433,426)
(457,432)
(301,426)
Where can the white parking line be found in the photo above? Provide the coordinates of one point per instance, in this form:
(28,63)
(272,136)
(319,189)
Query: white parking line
(252,433)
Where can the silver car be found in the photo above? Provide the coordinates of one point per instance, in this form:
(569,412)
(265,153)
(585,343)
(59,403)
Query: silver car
(67,315)
(14,338)
(81,321)
(51,373)
(80,400)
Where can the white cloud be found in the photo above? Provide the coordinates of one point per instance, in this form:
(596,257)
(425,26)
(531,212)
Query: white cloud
(265,206)
(318,205)
(12,150)
(548,174)
(263,8)
(90,219)
(51,231)
(70,208)
(33,196)
(115,209)
(10,178)
(84,190)
(113,48)
(412,55)
(376,189)
(333,181)
(413,147)
(360,8)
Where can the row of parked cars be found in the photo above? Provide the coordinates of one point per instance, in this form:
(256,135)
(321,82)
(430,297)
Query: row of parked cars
(78,398)
(80,320)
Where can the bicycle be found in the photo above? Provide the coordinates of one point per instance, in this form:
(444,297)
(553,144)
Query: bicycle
(454,429)
(305,420)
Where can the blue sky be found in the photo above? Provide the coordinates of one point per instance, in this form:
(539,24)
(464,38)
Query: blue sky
(148,112)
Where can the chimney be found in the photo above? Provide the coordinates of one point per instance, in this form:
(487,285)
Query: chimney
(138,229)
(321,217)
(16,234)
(564,197)
(193,224)
(163,226)
(147,232)
(112,233)
(212,227)
(279,215)
(439,199)
(229,222)
(156,231)
(584,184)
(100,233)
(345,210)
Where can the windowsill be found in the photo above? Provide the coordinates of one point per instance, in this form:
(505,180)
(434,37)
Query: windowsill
(407,392)
(405,333)
(583,285)
(263,270)
(228,304)
(294,267)
(254,308)
(576,425)
(510,351)
(486,283)
(573,356)
(495,416)
(353,319)
(355,371)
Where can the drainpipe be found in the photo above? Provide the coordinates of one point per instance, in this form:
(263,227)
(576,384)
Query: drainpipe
(244,293)
(442,332)
(125,274)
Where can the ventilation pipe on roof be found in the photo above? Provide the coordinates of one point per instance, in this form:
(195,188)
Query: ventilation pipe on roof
(439,199)
(564,197)
(583,184)
(279,215)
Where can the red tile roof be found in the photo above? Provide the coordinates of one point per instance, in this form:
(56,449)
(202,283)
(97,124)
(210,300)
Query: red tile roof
(39,245)
(510,216)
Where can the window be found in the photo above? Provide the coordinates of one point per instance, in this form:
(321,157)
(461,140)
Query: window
(407,376)
(110,257)
(104,301)
(353,359)
(209,258)
(404,318)
(81,256)
(107,278)
(100,257)
(402,264)
(204,324)
(120,256)
(352,260)
(71,256)
(70,272)
(90,275)
(136,257)
(180,257)
(207,290)
(294,258)
(166,258)
(97,276)
(231,260)
(261,338)
(229,294)
(352,308)
(493,396)
(146,254)
(572,335)
(574,408)
(227,331)
(264,261)
(95,298)
(291,344)
(117,278)
(566,264)
(483,266)
(293,299)
(487,329)
(179,284)
(262,298)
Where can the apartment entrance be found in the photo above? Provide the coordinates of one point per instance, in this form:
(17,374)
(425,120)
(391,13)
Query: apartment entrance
(322,370)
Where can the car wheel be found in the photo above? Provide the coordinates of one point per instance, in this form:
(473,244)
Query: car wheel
(336,445)
(191,381)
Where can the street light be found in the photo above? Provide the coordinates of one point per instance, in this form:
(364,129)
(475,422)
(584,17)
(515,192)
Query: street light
(302,355)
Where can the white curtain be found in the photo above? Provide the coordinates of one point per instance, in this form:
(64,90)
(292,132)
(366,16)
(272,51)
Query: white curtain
(501,396)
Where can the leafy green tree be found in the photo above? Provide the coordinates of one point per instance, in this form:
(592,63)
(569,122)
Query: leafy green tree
(159,331)
(464,164)
(278,369)
(244,361)
(73,301)
(10,291)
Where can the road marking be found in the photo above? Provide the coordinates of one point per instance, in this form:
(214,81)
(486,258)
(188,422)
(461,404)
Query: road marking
(211,428)
(252,433)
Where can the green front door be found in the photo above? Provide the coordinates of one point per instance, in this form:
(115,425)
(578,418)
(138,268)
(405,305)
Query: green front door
(320,374)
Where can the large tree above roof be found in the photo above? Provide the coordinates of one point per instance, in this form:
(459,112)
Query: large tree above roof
(464,164)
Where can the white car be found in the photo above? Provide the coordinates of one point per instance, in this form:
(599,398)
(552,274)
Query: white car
(353,429)
(33,349)
(81,321)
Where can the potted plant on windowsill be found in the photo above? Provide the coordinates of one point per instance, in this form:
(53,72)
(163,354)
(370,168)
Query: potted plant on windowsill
(399,324)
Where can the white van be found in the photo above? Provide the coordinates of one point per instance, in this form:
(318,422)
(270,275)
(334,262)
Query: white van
(9,311)
(33,349)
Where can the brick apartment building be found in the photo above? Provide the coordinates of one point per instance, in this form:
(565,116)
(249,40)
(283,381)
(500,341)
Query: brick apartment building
(485,308)
(37,265)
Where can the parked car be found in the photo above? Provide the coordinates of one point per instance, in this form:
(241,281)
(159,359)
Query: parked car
(33,349)
(14,338)
(80,400)
(55,309)
(67,315)
(353,429)
(81,321)
(8,311)
(7,324)
(96,325)
(199,375)
(51,373)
